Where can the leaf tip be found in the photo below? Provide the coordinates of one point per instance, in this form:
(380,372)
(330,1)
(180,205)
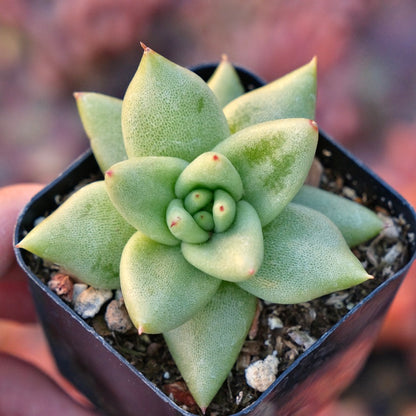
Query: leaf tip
(145,47)
(140,330)
(203,410)
(78,95)
(314,124)
(109,173)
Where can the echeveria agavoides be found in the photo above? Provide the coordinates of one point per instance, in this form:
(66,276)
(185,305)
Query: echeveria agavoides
(194,222)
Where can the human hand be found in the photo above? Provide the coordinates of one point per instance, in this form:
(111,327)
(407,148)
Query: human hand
(30,383)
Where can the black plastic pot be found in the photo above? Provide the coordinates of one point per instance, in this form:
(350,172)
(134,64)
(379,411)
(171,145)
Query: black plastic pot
(313,380)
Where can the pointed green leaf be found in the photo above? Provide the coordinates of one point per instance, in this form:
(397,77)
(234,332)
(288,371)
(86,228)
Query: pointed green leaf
(273,160)
(160,289)
(206,347)
(197,200)
(223,211)
(141,189)
(356,222)
(182,224)
(205,220)
(101,118)
(234,255)
(291,96)
(225,82)
(170,111)
(84,236)
(210,170)
(305,256)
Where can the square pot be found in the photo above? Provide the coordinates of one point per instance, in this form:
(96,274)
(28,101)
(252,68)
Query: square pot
(314,379)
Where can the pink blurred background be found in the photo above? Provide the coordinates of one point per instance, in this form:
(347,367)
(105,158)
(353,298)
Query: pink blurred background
(367,100)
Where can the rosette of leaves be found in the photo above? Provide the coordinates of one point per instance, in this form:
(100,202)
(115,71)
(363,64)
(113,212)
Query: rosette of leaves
(203,210)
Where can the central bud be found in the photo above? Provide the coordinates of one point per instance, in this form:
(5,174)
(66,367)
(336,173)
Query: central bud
(207,192)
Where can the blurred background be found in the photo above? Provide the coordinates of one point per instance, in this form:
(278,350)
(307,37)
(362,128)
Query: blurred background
(366,53)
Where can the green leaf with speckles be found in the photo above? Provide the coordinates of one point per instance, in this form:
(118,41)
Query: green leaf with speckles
(161,289)
(211,171)
(85,236)
(273,160)
(291,96)
(305,256)
(225,82)
(206,347)
(356,222)
(170,111)
(141,189)
(101,117)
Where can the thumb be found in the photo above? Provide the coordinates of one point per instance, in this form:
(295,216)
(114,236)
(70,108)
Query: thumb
(12,200)
(26,391)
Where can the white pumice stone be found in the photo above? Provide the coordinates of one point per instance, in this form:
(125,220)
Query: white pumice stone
(261,374)
(301,338)
(275,322)
(77,290)
(89,302)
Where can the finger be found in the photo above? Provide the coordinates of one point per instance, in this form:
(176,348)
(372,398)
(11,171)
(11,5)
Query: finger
(26,391)
(12,200)
(28,342)
(16,302)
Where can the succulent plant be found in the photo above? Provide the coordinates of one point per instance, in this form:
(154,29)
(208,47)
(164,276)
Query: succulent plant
(203,210)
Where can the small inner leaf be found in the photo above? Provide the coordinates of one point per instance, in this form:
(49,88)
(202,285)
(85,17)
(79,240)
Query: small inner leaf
(197,199)
(233,255)
(182,225)
(205,220)
(210,170)
(223,211)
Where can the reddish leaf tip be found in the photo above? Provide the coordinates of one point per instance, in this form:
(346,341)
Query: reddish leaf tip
(203,410)
(140,330)
(215,157)
(314,124)
(174,222)
(77,95)
(109,173)
(222,208)
(145,48)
